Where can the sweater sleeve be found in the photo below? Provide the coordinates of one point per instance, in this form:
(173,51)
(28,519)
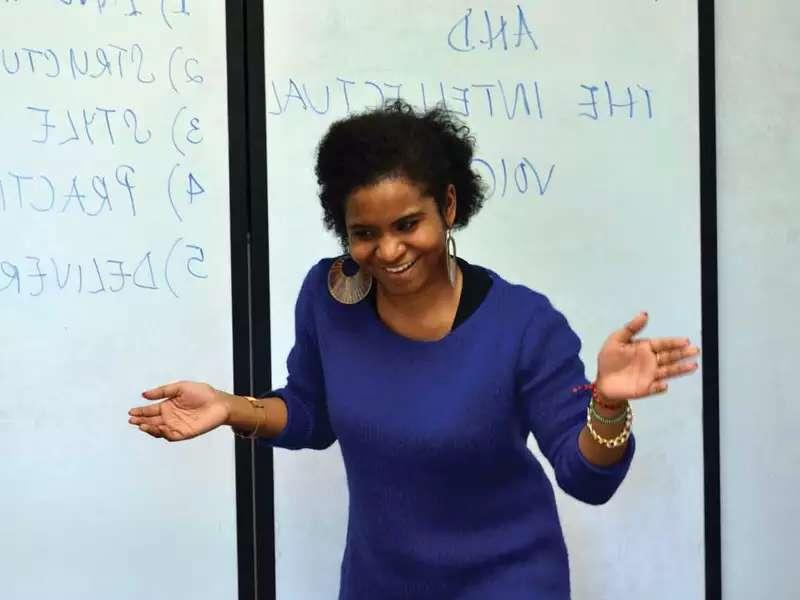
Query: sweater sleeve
(308,424)
(549,368)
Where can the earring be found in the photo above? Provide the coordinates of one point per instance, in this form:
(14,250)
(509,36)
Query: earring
(347,283)
(450,250)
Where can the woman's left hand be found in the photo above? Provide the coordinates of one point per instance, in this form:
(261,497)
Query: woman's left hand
(628,368)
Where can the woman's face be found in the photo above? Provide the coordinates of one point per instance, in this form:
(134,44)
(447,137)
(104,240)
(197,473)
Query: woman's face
(397,234)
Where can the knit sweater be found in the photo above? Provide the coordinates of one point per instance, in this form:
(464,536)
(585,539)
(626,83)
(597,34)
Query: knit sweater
(446,499)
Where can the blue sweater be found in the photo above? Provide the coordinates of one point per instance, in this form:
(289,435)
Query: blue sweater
(446,499)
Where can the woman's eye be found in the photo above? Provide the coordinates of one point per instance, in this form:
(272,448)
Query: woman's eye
(362,234)
(407,225)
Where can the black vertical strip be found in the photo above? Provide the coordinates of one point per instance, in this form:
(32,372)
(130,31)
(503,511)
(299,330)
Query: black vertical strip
(260,326)
(240,285)
(708,232)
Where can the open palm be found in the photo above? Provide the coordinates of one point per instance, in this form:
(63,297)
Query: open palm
(188,409)
(628,368)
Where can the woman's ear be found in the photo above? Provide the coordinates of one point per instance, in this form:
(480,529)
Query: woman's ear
(450,205)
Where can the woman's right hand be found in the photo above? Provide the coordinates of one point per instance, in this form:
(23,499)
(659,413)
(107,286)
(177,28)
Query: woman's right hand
(188,409)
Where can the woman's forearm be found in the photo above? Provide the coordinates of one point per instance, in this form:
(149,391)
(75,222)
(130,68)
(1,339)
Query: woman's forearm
(269,414)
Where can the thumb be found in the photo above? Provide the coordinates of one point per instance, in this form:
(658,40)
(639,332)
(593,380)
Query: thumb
(163,391)
(631,328)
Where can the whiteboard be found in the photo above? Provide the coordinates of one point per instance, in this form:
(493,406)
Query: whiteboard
(586,117)
(113,279)
(759,284)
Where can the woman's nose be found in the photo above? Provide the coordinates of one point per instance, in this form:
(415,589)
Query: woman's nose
(390,250)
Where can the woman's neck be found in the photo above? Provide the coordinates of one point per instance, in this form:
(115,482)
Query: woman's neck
(425,315)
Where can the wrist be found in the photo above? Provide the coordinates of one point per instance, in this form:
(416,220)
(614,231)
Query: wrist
(238,409)
(605,405)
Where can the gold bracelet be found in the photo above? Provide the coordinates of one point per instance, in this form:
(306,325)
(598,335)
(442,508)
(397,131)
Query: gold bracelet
(612,442)
(262,412)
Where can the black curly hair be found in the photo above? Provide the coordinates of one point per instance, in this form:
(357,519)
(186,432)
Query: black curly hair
(432,149)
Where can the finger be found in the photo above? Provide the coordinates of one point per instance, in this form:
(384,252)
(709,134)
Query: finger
(659,387)
(172,435)
(667,357)
(164,391)
(155,421)
(151,430)
(631,328)
(668,343)
(676,370)
(163,432)
(149,410)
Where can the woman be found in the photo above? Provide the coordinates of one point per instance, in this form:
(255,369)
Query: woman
(431,372)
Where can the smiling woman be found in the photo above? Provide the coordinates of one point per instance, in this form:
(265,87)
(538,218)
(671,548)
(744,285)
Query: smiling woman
(397,237)
(431,372)
(393,184)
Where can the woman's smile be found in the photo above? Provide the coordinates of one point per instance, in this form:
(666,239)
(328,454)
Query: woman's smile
(400,270)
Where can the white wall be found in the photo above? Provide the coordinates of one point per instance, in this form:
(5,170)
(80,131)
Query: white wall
(758,158)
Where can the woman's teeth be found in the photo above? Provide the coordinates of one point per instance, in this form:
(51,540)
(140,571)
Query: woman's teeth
(401,268)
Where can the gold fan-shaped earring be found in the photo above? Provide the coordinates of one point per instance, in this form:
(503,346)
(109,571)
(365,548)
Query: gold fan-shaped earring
(347,282)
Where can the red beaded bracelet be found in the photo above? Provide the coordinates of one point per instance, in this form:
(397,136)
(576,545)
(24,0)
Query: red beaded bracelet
(596,396)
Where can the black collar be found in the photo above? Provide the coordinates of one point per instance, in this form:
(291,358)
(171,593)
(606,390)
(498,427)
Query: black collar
(475,287)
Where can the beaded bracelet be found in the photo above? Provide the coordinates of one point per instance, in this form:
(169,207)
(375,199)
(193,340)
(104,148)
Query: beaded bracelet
(615,420)
(254,434)
(596,396)
(622,438)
